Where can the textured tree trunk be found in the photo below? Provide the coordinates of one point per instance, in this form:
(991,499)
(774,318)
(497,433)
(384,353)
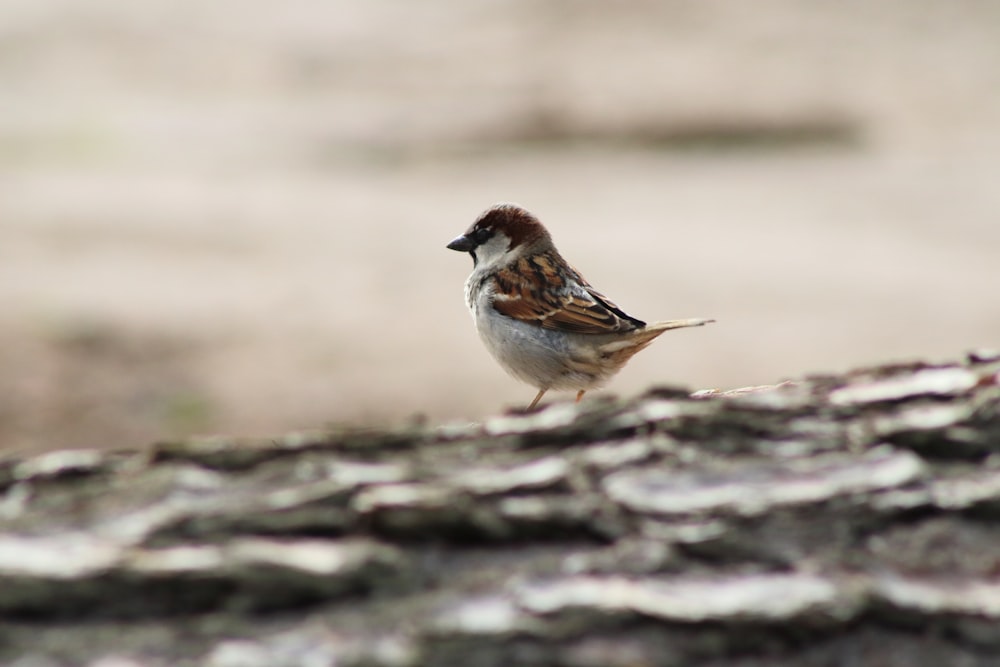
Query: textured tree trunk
(837,520)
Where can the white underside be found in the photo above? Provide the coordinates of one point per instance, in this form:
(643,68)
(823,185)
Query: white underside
(543,358)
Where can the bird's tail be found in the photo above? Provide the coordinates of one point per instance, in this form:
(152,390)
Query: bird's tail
(651,331)
(667,325)
(640,338)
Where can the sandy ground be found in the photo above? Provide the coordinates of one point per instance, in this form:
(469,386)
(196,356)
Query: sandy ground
(230,217)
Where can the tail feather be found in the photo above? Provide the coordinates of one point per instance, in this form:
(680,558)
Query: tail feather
(621,350)
(667,325)
(646,334)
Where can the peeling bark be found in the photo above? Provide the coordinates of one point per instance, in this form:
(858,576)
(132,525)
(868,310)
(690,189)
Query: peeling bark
(833,520)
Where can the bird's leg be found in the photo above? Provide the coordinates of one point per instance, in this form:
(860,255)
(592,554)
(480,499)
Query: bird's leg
(580,394)
(541,392)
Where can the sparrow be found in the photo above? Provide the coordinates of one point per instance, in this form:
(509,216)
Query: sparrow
(536,314)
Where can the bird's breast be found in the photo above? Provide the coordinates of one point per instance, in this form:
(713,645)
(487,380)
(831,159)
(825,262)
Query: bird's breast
(478,293)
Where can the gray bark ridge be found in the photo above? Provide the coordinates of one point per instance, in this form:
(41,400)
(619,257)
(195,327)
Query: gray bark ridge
(839,519)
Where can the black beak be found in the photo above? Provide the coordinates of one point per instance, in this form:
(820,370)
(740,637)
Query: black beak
(462,244)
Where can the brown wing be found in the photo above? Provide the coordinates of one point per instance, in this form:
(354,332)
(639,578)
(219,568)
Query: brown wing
(570,304)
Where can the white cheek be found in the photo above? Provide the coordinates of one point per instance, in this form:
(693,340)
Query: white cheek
(492,252)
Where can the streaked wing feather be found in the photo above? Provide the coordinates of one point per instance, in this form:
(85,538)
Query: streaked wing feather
(572,305)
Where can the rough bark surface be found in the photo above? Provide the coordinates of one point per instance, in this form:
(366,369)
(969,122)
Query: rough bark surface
(834,520)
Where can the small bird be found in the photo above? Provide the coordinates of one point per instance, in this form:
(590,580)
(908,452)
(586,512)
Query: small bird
(536,314)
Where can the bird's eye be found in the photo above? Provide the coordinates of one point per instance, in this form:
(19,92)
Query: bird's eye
(481,236)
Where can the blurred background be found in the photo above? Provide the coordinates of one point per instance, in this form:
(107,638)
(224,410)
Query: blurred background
(231,216)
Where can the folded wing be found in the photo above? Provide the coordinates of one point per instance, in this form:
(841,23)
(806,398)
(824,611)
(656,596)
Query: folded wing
(566,303)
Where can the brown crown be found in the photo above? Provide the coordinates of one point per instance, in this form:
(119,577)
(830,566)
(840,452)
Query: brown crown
(516,223)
